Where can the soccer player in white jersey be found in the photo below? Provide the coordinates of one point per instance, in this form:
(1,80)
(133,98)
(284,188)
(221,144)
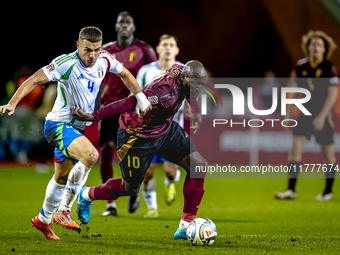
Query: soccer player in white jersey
(79,75)
(167,50)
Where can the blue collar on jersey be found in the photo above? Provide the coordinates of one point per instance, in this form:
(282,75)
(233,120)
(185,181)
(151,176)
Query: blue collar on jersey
(81,62)
(157,66)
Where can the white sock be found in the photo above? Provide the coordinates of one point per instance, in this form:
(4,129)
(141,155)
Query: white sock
(53,196)
(183,224)
(86,194)
(76,179)
(150,195)
(167,181)
(110,205)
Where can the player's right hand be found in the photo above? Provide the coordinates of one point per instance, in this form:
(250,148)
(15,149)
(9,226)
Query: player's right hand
(9,108)
(143,105)
(79,115)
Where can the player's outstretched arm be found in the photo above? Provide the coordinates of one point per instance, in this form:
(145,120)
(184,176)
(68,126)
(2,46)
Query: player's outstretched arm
(143,104)
(39,78)
(124,105)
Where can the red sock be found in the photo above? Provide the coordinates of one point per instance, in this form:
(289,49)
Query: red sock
(188,217)
(112,189)
(193,193)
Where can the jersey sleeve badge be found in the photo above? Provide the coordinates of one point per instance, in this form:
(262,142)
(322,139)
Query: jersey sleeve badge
(153,99)
(50,67)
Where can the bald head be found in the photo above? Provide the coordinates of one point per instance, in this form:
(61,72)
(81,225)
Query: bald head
(194,69)
(193,77)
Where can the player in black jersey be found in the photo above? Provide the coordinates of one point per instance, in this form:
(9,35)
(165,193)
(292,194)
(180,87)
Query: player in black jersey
(317,74)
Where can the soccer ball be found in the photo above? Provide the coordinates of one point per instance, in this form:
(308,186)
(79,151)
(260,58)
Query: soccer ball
(201,231)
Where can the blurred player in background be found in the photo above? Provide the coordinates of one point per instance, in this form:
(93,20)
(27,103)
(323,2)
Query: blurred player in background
(318,48)
(79,75)
(141,138)
(167,50)
(133,54)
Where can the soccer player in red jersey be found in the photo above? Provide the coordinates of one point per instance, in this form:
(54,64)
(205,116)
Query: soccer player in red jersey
(321,79)
(133,54)
(167,50)
(140,138)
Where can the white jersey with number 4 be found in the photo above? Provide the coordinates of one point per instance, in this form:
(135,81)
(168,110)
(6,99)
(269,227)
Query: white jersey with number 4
(77,84)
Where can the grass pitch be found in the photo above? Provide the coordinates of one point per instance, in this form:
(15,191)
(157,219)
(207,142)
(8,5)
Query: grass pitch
(248,219)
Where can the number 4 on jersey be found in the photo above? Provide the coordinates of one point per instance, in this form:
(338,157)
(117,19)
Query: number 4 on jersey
(90,86)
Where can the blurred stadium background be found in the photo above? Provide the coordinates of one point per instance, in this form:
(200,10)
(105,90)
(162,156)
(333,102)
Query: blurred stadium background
(245,38)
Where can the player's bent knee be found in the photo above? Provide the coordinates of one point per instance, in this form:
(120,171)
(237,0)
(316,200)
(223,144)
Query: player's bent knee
(90,157)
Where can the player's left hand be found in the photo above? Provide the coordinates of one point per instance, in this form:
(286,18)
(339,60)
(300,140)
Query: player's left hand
(318,122)
(196,121)
(79,115)
(143,105)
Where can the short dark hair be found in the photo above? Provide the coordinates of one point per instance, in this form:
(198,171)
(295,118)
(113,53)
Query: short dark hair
(167,36)
(125,13)
(91,34)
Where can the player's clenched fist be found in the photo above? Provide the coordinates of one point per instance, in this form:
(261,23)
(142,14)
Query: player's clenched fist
(143,104)
(9,108)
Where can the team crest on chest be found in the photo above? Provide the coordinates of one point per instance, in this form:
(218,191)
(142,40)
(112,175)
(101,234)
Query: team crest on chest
(153,99)
(100,72)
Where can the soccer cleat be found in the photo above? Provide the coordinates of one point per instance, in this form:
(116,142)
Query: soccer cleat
(170,193)
(286,195)
(44,228)
(325,197)
(65,220)
(83,208)
(110,212)
(133,203)
(151,213)
(181,234)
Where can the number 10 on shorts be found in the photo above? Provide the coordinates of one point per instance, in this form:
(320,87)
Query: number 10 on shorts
(135,161)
